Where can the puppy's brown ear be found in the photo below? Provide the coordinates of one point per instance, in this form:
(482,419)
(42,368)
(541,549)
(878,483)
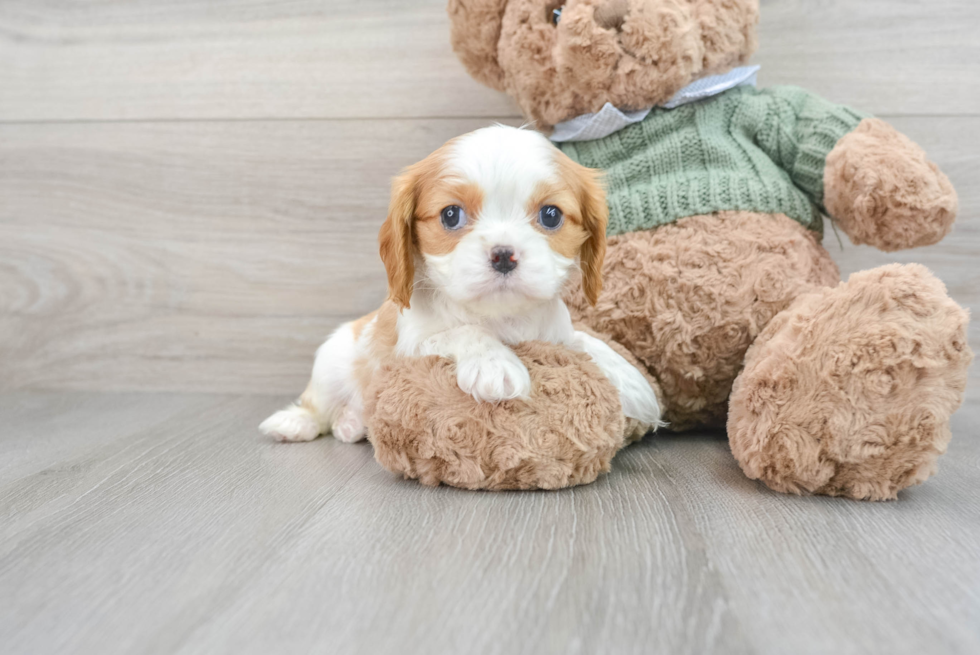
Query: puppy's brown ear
(595,218)
(396,239)
(475,33)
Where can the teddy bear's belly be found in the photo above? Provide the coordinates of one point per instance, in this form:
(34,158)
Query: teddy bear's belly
(690,297)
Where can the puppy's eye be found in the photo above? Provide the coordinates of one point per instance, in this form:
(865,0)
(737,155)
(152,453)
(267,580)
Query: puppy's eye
(556,15)
(453,217)
(550,217)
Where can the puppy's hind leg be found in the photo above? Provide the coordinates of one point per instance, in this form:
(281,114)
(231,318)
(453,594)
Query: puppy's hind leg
(324,403)
(298,422)
(637,397)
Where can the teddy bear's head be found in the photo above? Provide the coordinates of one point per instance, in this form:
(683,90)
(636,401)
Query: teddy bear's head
(560,59)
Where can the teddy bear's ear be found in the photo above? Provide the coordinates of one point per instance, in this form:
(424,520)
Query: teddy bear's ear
(475,34)
(728,32)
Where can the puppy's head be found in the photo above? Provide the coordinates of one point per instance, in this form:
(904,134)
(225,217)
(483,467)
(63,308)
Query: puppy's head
(494,220)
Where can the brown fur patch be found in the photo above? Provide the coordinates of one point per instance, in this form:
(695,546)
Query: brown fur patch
(435,194)
(358,326)
(385,334)
(396,240)
(592,214)
(382,339)
(568,239)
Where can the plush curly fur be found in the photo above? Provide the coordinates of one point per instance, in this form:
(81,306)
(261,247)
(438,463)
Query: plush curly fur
(849,391)
(423,426)
(688,299)
(884,192)
(556,72)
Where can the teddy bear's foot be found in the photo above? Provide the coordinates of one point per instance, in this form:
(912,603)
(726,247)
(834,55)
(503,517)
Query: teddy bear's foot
(849,391)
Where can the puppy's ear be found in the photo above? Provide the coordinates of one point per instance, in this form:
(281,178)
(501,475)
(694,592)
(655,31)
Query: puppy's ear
(595,218)
(397,241)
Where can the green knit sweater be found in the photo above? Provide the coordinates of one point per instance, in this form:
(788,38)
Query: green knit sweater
(745,149)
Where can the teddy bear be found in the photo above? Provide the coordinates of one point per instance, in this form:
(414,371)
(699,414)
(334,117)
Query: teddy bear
(716,284)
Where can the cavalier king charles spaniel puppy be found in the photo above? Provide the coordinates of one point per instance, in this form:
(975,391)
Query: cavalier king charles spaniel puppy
(480,239)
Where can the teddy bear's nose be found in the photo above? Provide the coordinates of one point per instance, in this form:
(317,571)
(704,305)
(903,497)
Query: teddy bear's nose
(612,14)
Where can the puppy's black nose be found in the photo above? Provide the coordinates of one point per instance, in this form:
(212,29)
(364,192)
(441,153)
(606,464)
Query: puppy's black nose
(502,259)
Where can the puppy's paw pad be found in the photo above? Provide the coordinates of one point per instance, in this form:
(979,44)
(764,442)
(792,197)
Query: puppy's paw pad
(494,377)
(293,424)
(349,427)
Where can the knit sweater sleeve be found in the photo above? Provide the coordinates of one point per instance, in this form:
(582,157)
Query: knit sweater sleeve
(799,131)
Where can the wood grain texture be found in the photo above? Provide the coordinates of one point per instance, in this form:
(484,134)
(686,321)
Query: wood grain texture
(180,530)
(888,57)
(383,58)
(233,59)
(217,256)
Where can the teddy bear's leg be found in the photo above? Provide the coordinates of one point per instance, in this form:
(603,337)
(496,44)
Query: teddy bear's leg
(849,391)
(688,299)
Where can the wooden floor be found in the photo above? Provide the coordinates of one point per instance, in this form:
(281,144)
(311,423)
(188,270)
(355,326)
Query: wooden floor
(189,199)
(163,523)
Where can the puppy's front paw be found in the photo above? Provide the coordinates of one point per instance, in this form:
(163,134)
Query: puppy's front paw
(495,376)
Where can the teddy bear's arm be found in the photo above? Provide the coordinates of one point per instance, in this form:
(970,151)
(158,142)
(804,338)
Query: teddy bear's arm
(884,192)
(875,183)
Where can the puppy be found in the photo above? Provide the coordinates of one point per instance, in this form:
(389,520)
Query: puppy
(480,239)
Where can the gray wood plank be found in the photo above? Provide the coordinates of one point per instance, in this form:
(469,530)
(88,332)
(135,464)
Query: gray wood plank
(217,256)
(53,427)
(234,59)
(193,534)
(381,58)
(888,57)
(146,537)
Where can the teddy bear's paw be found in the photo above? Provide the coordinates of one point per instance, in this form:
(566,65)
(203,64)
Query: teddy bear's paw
(494,376)
(849,391)
(884,192)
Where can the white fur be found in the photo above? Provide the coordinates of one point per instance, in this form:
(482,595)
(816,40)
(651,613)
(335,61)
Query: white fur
(292,424)
(334,399)
(485,368)
(464,310)
(635,394)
